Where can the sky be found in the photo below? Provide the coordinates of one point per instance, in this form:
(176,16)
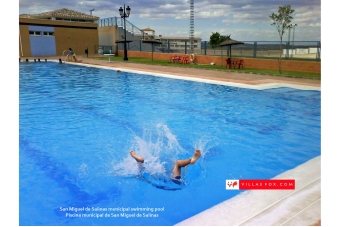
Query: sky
(244,20)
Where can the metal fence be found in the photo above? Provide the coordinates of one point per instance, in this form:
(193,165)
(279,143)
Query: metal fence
(119,22)
(310,50)
(268,49)
(101,49)
(253,49)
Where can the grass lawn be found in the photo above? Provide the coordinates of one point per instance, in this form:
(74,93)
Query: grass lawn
(217,67)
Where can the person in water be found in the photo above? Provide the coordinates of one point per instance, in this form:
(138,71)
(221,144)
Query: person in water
(176,171)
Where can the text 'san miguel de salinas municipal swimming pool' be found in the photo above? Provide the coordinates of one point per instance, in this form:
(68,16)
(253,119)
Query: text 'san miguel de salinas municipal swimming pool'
(78,124)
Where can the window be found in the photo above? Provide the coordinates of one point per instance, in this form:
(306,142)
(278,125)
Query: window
(34,32)
(49,33)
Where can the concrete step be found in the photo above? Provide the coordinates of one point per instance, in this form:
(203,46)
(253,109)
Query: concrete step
(295,209)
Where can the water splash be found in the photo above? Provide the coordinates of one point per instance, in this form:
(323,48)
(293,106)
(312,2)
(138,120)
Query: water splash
(160,149)
(205,145)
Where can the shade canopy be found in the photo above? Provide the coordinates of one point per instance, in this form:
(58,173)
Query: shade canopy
(123,41)
(152,42)
(229,42)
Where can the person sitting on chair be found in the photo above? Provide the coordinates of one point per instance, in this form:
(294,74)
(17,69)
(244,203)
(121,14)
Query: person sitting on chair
(176,171)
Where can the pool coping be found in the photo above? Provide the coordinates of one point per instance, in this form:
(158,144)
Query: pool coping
(210,81)
(301,207)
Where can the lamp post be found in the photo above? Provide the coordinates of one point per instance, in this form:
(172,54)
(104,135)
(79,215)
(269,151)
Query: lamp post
(291,26)
(124,14)
(294,25)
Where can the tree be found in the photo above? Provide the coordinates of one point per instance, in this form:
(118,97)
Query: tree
(216,39)
(282,21)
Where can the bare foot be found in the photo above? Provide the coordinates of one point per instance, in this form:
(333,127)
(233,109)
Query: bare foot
(136,157)
(196,156)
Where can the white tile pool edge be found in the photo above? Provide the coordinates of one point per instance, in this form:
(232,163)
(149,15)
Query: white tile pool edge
(232,84)
(301,207)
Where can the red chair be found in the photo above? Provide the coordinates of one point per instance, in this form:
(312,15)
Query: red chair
(229,63)
(178,59)
(234,63)
(173,59)
(240,63)
(185,60)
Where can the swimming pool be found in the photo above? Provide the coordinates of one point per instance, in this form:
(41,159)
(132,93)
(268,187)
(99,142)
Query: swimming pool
(77,125)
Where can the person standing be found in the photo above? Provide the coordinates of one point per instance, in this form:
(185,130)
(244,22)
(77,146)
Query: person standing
(71,52)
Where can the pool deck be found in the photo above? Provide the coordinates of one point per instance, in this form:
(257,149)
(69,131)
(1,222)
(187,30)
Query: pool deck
(224,76)
(300,207)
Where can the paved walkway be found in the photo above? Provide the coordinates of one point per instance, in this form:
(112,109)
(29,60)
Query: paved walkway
(225,76)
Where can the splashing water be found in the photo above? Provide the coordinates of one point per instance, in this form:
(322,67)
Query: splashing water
(204,145)
(159,151)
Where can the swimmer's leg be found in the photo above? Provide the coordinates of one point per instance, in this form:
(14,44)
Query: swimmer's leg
(182,163)
(176,171)
(136,157)
(196,156)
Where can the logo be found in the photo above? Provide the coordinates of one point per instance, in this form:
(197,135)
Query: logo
(232,184)
(273,184)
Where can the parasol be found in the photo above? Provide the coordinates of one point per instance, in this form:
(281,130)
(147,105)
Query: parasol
(152,42)
(229,42)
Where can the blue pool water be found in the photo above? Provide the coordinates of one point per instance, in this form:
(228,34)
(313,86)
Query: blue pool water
(78,124)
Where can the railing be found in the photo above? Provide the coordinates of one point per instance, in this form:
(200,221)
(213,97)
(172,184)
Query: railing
(103,49)
(255,49)
(310,50)
(268,49)
(62,57)
(117,21)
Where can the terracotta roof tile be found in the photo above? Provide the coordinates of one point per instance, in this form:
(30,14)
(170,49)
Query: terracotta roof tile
(62,13)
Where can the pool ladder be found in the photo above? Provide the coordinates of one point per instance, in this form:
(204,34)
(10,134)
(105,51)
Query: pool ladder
(62,57)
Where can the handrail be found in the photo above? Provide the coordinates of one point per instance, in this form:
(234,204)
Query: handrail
(117,21)
(22,54)
(63,55)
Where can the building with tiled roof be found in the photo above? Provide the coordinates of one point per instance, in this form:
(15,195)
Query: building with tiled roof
(53,33)
(64,15)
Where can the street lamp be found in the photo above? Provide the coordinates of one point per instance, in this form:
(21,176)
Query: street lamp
(124,14)
(294,25)
(291,26)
